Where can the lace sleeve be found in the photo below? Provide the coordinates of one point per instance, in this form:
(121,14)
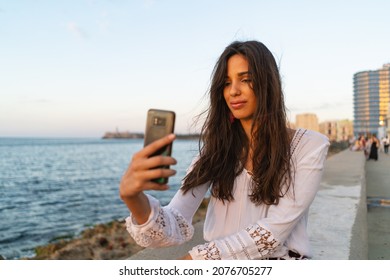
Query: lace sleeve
(165,227)
(255,242)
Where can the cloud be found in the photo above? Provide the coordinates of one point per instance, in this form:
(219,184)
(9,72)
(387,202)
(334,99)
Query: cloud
(75,29)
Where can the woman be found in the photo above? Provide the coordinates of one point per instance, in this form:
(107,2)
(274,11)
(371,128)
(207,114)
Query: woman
(262,175)
(374,148)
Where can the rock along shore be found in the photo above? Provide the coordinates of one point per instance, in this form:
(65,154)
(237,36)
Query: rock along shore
(109,241)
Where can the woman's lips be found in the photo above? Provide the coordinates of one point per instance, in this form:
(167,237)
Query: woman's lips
(237,104)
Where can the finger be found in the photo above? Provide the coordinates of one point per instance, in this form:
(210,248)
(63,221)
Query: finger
(153,162)
(142,180)
(152,186)
(158,161)
(155,146)
(146,186)
(152,174)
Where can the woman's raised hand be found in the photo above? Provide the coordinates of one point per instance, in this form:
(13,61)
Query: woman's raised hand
(144,168)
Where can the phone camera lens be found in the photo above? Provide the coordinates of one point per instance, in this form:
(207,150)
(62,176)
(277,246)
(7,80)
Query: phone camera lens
(157,121)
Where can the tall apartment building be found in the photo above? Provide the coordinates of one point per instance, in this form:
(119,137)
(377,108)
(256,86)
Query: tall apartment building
(308,121)
(371,97)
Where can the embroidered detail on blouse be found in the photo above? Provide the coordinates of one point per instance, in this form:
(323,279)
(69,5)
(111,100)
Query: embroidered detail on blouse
(159,230)
(243,247)
(184,227)
(156,232)
(295,142)
(264,240)
(231,250)
(209,251)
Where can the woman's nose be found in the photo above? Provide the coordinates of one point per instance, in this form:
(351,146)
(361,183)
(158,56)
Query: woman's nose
(235,89)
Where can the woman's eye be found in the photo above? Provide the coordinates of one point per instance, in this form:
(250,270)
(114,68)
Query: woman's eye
(227,84)
(247,81)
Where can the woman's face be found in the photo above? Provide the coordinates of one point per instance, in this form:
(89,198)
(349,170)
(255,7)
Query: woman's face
(238,92)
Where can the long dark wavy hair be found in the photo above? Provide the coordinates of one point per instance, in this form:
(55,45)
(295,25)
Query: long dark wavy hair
(224,147)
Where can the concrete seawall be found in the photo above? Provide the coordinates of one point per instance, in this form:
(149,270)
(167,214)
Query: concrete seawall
(337,218)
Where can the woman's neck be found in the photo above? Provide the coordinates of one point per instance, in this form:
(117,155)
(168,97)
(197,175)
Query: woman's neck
(247,126)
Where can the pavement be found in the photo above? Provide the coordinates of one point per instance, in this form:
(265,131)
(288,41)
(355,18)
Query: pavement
(378,207)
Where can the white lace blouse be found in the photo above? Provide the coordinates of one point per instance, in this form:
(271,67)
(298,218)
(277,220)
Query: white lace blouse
(239,229)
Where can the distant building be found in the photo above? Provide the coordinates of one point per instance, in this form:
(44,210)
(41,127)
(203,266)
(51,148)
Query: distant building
(308,121)
(338,130)
(344,130)
(371,97)
(329,128)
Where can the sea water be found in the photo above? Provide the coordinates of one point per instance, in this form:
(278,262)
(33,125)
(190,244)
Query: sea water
(55,188)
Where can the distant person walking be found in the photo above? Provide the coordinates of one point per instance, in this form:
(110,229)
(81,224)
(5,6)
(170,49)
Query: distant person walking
(386,144)
(365,146)
(374,148)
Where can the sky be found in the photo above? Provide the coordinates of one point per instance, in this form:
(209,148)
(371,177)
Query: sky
(81,68)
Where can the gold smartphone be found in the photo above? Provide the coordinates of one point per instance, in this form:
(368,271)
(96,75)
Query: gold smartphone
(159,123)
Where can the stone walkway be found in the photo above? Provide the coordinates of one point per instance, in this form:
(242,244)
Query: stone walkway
(378,210)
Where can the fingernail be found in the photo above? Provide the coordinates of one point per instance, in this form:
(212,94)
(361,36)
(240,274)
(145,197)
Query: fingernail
(171,136)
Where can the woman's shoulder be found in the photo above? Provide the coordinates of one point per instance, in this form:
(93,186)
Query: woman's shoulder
(306,140)
(307,135)
(316,136)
